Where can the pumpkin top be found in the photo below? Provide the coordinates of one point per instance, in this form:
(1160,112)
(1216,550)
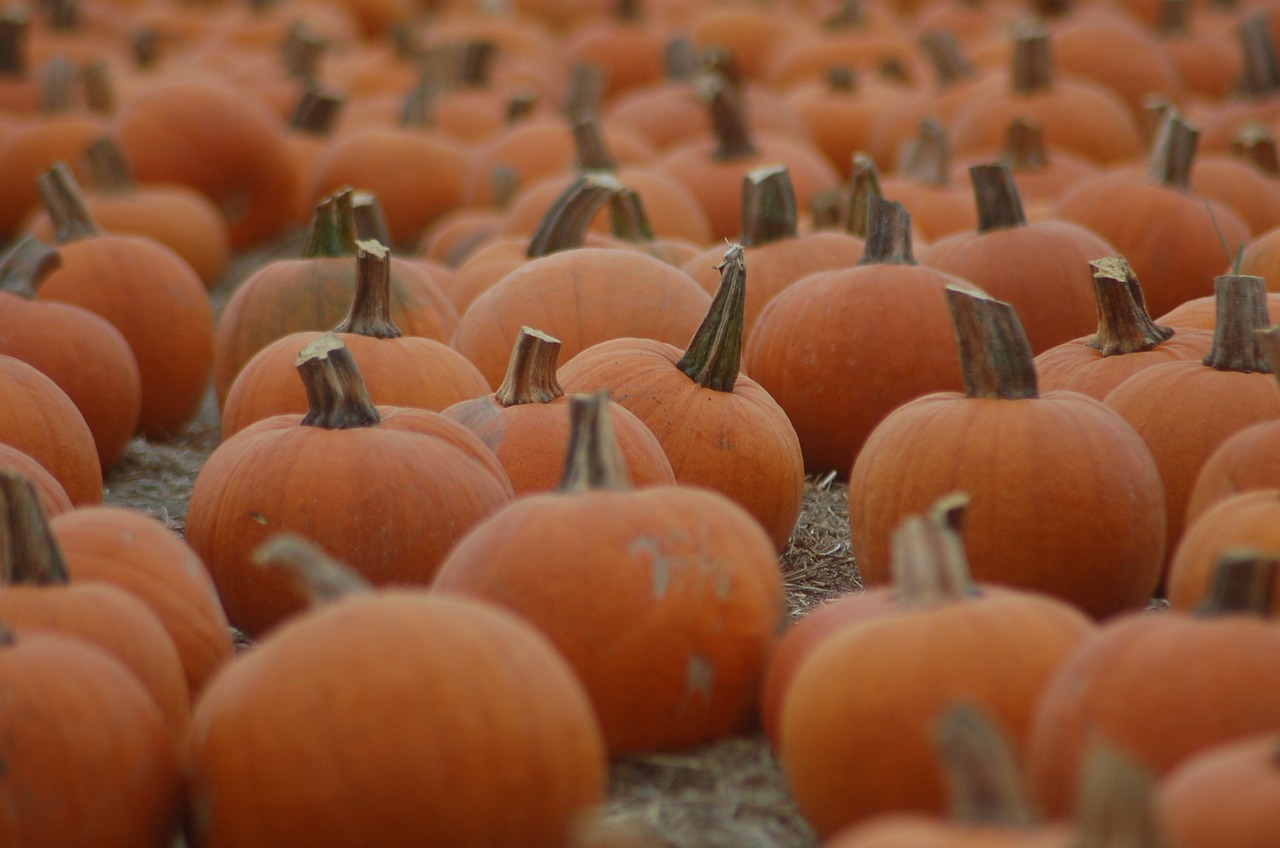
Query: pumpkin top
(995,356)
(997,198)
(565,223)
(984,782)
(714,355)
(336,395)
(531,372)
(316,111)
(321,577)
(888,240)
(29,555)
(593,460)
(26,264)
(1123,323)
(370,313)
(928,560)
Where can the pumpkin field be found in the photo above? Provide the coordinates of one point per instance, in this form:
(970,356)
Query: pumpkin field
(639,423)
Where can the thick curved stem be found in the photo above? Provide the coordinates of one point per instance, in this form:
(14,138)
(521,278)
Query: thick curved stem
(65,204)
(565,224)
(25,264)
(984,783)
(928,563)
(593,459)
(29,555)
(714,356)
(321,577)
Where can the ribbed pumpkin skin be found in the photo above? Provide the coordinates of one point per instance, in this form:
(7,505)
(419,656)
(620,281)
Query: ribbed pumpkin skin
(1067,500)
(848,756)
(912,831)
(1227,795)
(390,500)
(665,600)
(76,720)
(1248,460)
(1160,687)
(1074,366)
(1248,520)
(132,550)
(451,722)
(738,443)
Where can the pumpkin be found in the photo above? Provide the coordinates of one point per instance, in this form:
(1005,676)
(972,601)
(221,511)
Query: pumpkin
(390,489)
(453,722)
(1028,462)
(677,585)
(922,183)
(1163,687)
(1042,175)
(53,498)
(847,756)
(399,370)
(1242,521)
(1226,795)
(718,427)
(528,414)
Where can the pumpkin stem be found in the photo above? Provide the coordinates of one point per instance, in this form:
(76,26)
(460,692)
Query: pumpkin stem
(1024,146)
(26,264)
(57,85)
(370,313)
(531,371)
(564,226)
(864,184)
(1243,583)
(418,109)
(628,220)
(1255,144)
(728,117)
(1261,75)
(1032,61)
(984,783)
(316,111)
(680,59)
(593,459)
(29,554)
(301,52)
(336,395)
(321,577)
(1173,152)
(842,80)
(1269,345)
(943,52)
(888,234)
(928,563)
(99,94)
(65,204)
(1124,326)
(714,355)
(996,194)
(1115,809)
(367,217)
(826,207)
(951,511)
(927,157)
(586,90)
(333,228)
(768,206)
(1241,307)
(107,168)
(592,149)
(13,42)
(995,356)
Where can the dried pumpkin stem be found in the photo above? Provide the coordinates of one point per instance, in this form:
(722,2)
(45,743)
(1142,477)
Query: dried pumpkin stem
(1244,582)
(1032,69)
(531,371)
(1116,808)
(593,459)
(1024,146)
(1123,323)
(333,229)
(64,202)
(592,149)
(107,168)
(768,206)
(981,770)
(728,114)
(26,264)
(928,564)
(1173,152)
(943,52)
(316,111)
(1241,310)
(714,355)
(565,224)
(864,184)
(628,220)
(322,578)
(997,198)
(370,313)
(368,219)
(888,239)
(29,555)
(336,395)
(928,157)
(995,356)
(1256,144)
(1261,76)
(586,91)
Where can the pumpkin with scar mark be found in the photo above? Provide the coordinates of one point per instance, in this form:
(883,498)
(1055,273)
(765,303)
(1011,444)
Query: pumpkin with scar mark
(665,600)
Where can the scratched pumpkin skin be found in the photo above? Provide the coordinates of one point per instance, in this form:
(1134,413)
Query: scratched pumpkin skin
(666,601)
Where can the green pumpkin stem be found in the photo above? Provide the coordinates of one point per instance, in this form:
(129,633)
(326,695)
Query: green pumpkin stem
(984,783)
(333,228)
(321,578)
(943,52)
(1024,146)
(1173,152)
(1256,144)
(1244,582)
(370,313)
(995,356)
(728,117)
(336,395)
(1032,61)
(593,459)
(14,30)
(107,168)
(565,224)
(24,265)
(864,184)
(531,371)
(1124,326)
(1241,308)
(592,149)
(928,563)
(997,198)
(29,554)
(64,202)
(768,206)
(888,240)
(1115,808)
(714,355)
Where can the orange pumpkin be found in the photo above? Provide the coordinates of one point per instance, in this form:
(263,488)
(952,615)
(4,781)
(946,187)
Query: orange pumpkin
(1226,795)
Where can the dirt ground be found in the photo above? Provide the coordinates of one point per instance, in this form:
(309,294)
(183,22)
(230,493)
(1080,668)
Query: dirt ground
(729,794)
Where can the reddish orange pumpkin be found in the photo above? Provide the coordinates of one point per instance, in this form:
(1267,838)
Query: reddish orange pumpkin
(1246,520)
(1226,795)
